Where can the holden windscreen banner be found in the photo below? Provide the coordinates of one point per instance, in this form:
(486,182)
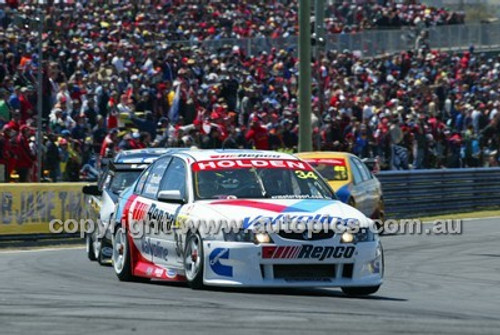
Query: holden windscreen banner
(223,164)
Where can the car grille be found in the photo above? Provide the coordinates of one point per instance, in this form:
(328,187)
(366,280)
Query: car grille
(304,236)
(304,272)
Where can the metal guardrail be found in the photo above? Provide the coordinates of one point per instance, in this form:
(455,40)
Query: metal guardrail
(372,43)
(409,194)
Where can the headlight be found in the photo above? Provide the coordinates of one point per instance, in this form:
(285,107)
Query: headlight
(262,238)
(247,236)
(362,235)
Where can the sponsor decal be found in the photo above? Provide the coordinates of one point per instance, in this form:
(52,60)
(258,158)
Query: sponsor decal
(158,272)
(250,163)
(327,161)
(306,205)
(217,267)
(247,155)
(171,273)
(321,219)
(161,217)
(307,251)
(286,221)
(140,210)
(28,208)
(154,249)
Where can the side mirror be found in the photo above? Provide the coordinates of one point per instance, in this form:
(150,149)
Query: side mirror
(91,190)
(174,196)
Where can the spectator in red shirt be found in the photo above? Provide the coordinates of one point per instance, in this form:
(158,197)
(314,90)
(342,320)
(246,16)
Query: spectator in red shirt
(258,135)
(109,144)
(5,153)
(25,158)
(26,106)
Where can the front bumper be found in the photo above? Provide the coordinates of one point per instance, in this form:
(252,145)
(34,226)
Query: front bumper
(290,265)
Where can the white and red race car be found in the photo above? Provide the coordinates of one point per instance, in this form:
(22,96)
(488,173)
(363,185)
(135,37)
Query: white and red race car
(243,218)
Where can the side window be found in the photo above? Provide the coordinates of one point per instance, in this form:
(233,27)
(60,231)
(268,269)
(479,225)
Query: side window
(358,178)
(141,182)
(153,179)
(175,177)
(104,180)
(107,181)
(365,168)
(362,168)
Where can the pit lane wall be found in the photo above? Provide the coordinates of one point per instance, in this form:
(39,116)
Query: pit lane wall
(27,209)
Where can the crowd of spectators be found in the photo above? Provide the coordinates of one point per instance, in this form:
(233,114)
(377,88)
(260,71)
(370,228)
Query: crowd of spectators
(111,82)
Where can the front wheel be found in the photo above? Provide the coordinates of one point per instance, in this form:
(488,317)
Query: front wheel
(121,255)
(360,291)
(193,261)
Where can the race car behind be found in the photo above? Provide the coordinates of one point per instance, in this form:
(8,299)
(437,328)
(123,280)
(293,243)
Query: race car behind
(118,174)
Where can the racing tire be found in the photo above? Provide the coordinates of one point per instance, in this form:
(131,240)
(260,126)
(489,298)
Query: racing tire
(105,243)
(360,291)
(193,261)
(89,246)
(121,255)
(100,257)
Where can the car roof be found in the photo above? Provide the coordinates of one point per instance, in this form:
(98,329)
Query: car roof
(143,156)
(215,154)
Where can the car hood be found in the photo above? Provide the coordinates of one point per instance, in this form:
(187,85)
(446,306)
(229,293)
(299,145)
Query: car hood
(251,210)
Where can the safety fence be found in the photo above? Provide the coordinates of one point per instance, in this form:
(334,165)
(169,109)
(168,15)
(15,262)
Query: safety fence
(409,194)
(370,43)
(27,209)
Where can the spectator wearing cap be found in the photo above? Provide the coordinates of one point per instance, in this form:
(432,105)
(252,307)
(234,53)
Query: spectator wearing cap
(26,108)
(64,98)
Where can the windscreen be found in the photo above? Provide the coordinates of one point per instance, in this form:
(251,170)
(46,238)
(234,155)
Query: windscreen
(258,178)
(332,169)
(123,179)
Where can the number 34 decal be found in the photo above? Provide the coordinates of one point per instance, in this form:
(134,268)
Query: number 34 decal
(306,175)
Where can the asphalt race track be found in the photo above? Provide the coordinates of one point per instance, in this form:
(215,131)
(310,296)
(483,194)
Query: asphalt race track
(434,284)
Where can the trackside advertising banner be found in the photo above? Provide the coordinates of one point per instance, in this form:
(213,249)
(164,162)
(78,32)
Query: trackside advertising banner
(28,208)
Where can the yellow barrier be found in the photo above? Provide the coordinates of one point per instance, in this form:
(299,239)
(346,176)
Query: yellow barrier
(28,208)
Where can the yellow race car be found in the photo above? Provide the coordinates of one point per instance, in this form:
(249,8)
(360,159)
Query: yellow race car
(351,180)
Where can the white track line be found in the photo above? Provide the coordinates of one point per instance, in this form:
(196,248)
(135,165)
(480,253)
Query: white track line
(39,250)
